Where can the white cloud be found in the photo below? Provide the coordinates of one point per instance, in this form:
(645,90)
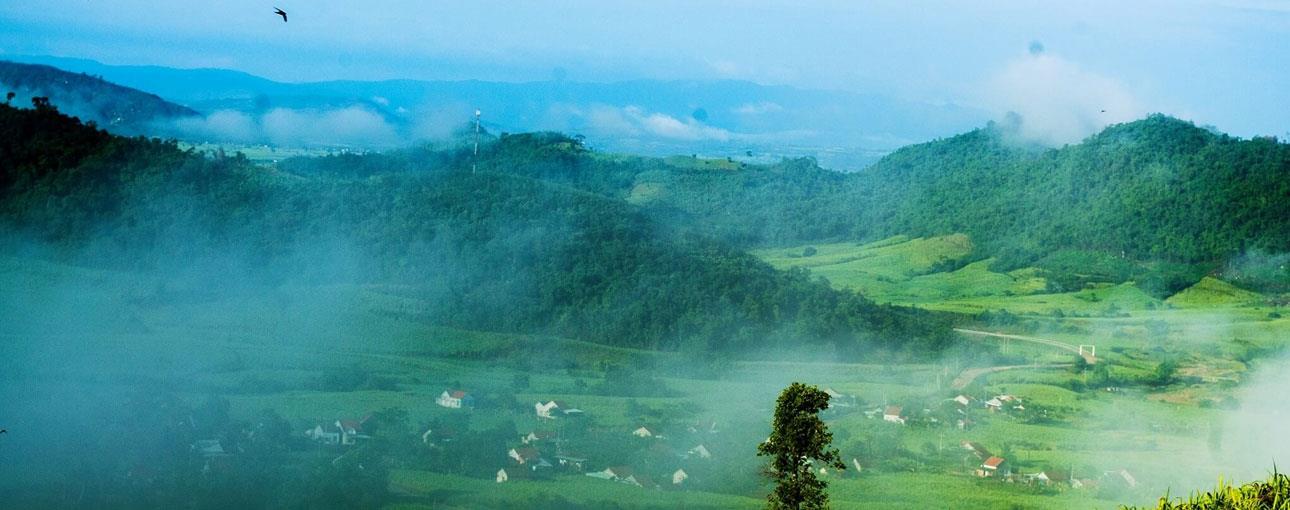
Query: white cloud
(760,108)
(353,126)
(1059,101)
(634,121)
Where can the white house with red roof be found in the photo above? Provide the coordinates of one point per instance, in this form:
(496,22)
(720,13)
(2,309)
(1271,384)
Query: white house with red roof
(894,414)
(455,399)
(994,467)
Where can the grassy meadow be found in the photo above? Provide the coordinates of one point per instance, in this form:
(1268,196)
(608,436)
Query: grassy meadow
(274,350)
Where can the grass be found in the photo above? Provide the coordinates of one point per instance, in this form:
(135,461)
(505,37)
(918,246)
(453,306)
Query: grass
(1211,292)
(110,326)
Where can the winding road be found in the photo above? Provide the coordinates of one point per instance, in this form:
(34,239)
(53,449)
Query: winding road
(967,376)
(1043,341)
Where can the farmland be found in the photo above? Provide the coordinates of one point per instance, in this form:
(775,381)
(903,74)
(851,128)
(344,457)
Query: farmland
(274,349)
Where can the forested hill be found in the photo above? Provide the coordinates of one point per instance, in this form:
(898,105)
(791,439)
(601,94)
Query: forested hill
(111,106)
(1154,189)
(1158,190)
(494,251)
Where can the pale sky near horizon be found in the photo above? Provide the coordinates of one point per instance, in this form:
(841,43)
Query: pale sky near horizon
(1225,63)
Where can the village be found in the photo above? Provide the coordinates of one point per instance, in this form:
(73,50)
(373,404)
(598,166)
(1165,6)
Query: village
(561,440)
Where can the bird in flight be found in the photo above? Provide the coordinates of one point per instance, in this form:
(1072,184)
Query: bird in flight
(1103,111)
(4,431)
(280,12)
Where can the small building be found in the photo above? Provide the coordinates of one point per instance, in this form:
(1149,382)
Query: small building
(679,476)
(507,474)
(963,400)
(644,432)
(537,436)
(623,474)
(208,448)
(524,456)
(994,467)
(571,461)
(976,448)
(455,399)
(342,432)
(839,399)
(555,408)
(699,451)
(893,414)
(706,426)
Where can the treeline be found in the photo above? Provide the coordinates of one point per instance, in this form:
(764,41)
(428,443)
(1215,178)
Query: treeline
(493,251)
(1159,201)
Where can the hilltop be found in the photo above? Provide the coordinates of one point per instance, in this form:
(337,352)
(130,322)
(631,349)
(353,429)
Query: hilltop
(117,108)
(492,251)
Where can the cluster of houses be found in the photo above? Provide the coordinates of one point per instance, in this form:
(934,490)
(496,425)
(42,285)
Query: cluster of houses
(527,460)
(340,432)
(993,466)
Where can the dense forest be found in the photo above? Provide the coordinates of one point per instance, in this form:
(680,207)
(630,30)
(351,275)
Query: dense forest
(1159,201)
(496,251)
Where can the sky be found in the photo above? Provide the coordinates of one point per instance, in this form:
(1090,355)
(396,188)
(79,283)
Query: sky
(1220,63)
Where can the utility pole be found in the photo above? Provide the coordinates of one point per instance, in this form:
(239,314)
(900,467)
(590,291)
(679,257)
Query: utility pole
(475,160)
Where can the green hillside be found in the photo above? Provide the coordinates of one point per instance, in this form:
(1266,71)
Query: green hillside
(493,251)
(1158,201)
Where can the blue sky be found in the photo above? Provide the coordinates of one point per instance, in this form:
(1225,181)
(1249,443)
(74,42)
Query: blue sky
(1225,63)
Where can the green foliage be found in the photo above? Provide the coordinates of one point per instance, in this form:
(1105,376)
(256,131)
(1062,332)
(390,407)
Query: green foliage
(490,251)
(798,441)
(1271,494)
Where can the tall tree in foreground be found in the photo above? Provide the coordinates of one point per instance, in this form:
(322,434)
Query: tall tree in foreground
(798,441)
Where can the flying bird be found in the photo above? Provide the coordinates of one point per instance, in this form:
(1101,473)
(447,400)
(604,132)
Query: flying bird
(4,431)
(280,12)
(1103,111)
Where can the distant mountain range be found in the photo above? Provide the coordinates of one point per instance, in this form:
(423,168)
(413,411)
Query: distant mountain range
(718,118)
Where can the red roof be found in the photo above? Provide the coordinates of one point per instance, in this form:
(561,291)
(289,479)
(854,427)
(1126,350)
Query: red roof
(892,411)
(993,462)
(457,394)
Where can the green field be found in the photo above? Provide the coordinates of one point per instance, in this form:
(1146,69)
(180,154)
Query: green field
(268,348)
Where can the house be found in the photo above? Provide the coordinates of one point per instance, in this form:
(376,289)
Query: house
(437,436)
(537,436)
(555,408)
(993,467)
(708,426)
(623,474)
(512,473)
(571,461)
(525,456)
(209,448)
(700,452)
(1121,476)
(342,432)
(963,400)
(1049,477)
(976,448)
(679,476)
(839,399)
(351,431)
(643,432)
(455,399)
(994,404)
(323,433)
(893,414)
